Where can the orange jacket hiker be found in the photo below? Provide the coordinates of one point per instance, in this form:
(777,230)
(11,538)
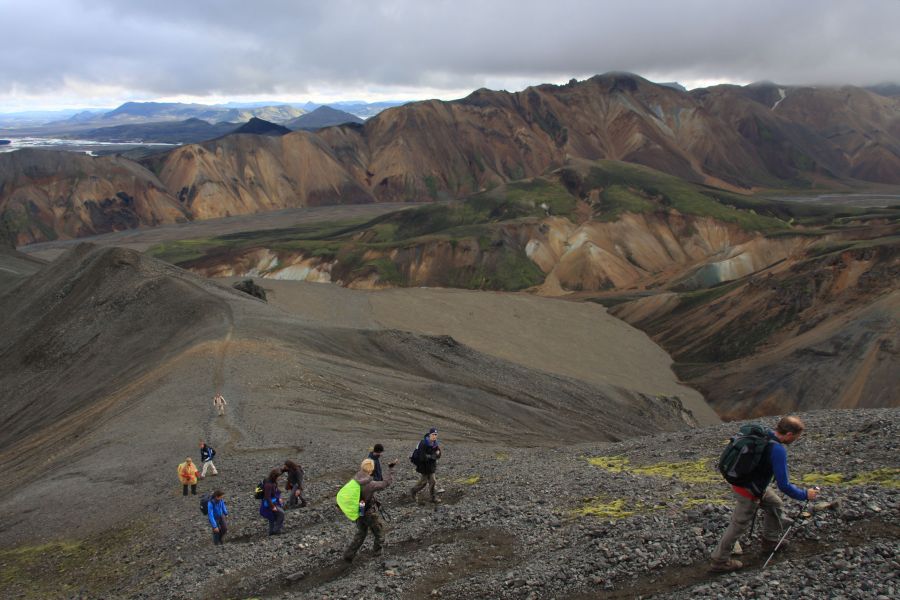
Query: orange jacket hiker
(187,472)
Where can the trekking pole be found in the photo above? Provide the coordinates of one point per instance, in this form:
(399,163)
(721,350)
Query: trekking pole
(784,537)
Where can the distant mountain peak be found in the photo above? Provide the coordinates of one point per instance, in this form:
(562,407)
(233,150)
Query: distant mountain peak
(324,116)
(259,126)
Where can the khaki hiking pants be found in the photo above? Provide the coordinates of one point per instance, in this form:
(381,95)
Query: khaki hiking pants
(770,508)
(424,480)
(208,465)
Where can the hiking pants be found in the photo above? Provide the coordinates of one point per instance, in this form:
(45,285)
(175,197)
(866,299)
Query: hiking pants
(296,496)
(373,523)
(193,489)
(770,505)
(276,522)
(424,480)
(207,465)
(220,409)
(223,529)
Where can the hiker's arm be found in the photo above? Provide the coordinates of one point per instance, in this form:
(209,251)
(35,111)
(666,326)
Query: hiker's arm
(780,468)
(388,479)
(211,514)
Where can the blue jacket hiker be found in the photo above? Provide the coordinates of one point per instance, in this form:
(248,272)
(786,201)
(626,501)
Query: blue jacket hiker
(757,496)
(270,508)
(216,511)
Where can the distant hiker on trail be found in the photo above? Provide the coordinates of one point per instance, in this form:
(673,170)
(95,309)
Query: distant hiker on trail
(219,403)
(375,455)
(271,508)
(370,519)
(206,457)
(425,457)
(751,488)
(217,511)
(294,484)
(187,474)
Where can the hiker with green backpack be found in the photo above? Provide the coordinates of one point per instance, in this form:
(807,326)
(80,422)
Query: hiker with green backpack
(750,462)
(357,501)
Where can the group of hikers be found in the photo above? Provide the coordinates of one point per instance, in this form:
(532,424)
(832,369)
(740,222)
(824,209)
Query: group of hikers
(369,480)
(752,460)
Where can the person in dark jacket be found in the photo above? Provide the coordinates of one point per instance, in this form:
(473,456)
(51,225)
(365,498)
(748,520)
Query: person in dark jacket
(375,455)
(757,495)
(294,484)
(217,511)
(371,519)
(429,451)
(207,454)
(271,508)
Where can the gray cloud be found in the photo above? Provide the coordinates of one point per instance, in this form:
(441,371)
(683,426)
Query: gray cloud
(230,47)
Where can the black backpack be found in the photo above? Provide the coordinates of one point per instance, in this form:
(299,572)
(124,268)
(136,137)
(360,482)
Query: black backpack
(416,456)
(204,503)
(260,491)
(743,454)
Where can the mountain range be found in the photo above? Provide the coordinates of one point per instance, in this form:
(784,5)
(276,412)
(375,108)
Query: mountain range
(736,138)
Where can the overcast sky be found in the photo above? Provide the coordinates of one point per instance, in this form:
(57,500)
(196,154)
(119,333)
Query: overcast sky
(65,53)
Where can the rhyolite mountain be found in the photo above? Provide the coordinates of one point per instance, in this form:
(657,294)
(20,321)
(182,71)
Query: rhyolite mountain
(726,136)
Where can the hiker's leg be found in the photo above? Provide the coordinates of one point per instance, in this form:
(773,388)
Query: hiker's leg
(184,489)
(223,528)
(432,483)
(423,481)
(279,520)
(773,520)
(203,470)
(217,538)
(377,527)
(194,489)
(361,530)
(740,521)
(213,467)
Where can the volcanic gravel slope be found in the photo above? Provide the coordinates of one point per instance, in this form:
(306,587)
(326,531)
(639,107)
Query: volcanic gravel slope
(515,523)
(109,360)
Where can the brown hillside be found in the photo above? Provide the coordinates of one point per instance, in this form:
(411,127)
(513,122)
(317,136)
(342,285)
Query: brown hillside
(49,194)
(814,331)
(245,174)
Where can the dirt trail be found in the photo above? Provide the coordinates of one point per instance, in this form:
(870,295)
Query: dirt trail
(478,550)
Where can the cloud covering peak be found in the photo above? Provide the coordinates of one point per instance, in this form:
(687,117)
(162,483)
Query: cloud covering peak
(107,49)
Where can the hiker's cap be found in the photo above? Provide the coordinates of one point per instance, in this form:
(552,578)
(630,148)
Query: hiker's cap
(432,430)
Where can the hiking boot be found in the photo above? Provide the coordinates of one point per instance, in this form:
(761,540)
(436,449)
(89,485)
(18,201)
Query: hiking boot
(725,566)
(770,545)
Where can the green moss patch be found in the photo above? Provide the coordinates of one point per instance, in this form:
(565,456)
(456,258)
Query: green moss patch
(887,477)
(698,471)
(472,480)
(604,509)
